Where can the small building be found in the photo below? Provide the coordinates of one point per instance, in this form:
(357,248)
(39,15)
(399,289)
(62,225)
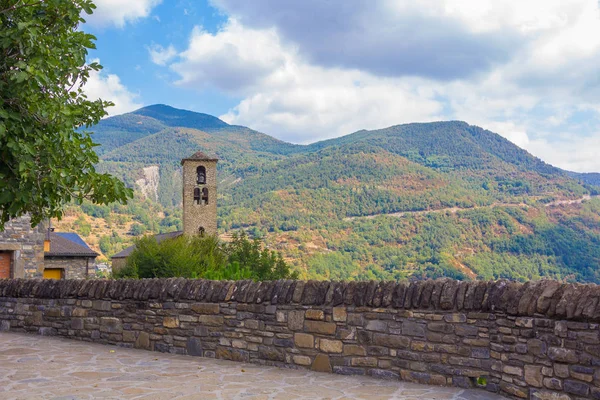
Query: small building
(199,202)
(69,257)
(22,253)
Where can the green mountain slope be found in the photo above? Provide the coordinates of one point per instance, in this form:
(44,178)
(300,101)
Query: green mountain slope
(443,198)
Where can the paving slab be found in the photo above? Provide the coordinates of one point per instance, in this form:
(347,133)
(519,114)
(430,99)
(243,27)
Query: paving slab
(36,367)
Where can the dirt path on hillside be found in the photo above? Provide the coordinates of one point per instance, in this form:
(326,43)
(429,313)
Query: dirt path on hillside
(454,210)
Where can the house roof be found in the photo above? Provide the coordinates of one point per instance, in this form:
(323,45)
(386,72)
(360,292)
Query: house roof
(159,238)
(68,244)
(199,156)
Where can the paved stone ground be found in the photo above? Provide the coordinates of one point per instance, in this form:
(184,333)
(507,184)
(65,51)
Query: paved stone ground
(36,367)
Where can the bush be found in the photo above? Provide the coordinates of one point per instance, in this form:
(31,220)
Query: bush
(204,257)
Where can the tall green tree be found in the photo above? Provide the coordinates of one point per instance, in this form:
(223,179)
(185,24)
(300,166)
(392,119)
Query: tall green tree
(46,156)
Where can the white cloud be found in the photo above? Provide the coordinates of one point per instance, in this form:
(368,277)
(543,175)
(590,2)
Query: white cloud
(312,70)
(109,87)
(160,55)
(233,59)
(119,12)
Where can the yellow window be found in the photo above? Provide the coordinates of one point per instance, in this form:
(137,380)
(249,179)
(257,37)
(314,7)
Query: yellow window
(53,273)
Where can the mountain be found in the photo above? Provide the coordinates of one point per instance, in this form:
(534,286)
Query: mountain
(413,200)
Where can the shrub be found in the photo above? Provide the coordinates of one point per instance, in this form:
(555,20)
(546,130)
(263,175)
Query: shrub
(204,257)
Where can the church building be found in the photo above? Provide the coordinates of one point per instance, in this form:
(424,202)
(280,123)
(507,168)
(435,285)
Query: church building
(199,173)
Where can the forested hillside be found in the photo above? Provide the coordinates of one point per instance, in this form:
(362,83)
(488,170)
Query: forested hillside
(415,200)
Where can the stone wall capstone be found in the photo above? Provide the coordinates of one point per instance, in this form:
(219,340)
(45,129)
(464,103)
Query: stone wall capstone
(538,340)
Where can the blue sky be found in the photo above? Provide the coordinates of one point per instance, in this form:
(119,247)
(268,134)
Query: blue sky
(309,70)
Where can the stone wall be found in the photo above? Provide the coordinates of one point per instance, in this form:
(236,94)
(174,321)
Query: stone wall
(26,245)
(74,267)
(537,340)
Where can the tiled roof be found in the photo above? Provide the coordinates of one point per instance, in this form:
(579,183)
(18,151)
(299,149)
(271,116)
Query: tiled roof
(68,244)
(159,238)
(199,156)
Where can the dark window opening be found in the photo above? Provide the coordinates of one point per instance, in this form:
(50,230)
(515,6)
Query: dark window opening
(201,175)
(205,196)
(197,195)
(201,231)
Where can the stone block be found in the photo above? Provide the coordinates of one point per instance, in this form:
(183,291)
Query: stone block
(211,320)
(466,330)
(342,370)
(340,314)
(46,331)
(544,395)
(295,320)
(391,341)
(111,325)
(533,375)
(324,328)
(377,325)
(101,305)
(304,340)
(52,312)
(512,370)
(385,374)
(455,318)
(363,362)
(240,344)
(354,350)
(330,346)
(561,370)
(322,363)
(187,318)
(410,328)
(171,322)
(536,347)
(205,308)
(129,336)
(441,327)
(283,342)
(480,352)
(561,354)
(194,346)
(315,314)
(79,312)
(77,323)
(302,360)
(552,383)
(356,319)
(576,388)
(514,390)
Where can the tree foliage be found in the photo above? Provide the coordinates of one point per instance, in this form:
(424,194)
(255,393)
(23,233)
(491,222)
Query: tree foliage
(47,157)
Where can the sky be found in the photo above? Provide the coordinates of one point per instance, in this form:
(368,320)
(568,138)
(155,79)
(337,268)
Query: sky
(309,70)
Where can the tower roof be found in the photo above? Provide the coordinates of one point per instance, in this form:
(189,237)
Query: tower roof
(199,156)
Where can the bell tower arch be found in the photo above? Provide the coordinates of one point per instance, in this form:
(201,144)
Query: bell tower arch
(199,194)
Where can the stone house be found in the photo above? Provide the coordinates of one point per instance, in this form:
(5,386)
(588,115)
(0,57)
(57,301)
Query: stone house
(22,253)
(69,257)
(22,249)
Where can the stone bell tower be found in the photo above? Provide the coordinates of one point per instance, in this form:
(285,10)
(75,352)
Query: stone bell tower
(199,194)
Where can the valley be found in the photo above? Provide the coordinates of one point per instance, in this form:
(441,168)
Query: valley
(472,204)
